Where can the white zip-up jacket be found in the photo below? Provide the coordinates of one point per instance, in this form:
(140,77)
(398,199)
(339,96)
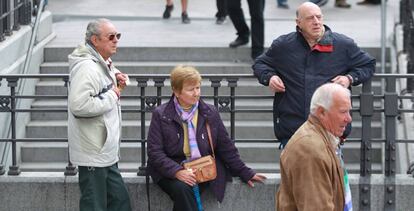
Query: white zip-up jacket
(94,111)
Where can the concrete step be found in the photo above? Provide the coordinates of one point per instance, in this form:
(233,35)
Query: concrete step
(54,53)
(244,87)
(131,152)
(128,104)
(161,67)
(128,167)
(274,167)
(243,129)
(249,87)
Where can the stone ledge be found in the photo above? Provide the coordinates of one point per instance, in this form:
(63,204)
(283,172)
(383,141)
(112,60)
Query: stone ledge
(53,191)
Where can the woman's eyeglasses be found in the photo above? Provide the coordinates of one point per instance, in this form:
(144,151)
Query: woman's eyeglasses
(112,36)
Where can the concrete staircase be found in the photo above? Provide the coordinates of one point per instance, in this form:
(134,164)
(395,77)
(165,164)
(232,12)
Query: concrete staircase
(262,157)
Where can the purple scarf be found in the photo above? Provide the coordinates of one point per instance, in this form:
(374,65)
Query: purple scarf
(187,117)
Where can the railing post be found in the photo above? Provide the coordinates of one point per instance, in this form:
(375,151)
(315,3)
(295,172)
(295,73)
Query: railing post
(2,169)
(390,112)
(366,111)
(7,19)
(25,13)
(215,83)
(159,83)
(16,22)
(232,84)
(1,22)
(142,83)
(12,83)
(403,10)
(70,169)
(410,56)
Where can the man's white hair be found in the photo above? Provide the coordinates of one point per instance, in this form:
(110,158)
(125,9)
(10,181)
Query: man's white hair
(323,96)
(93,28)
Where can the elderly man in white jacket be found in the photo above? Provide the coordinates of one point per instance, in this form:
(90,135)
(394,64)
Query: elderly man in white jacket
(94,119)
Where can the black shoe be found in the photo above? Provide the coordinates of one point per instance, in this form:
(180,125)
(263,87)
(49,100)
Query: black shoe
(283,6)
(220,20)
(342,4)
(238,42)
(167,11)
(184,18)
(319,2)
(368,2)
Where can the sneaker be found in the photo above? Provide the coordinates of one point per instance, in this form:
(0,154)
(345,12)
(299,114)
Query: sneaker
(283,6)
(167,11)
(239,41)
(369,2)
(184,18)
(319,2)
(342,4)
(220,20)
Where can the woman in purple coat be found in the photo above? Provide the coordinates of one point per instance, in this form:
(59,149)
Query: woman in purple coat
(178,133)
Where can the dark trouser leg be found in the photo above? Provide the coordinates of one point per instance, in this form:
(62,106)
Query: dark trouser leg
(237,17)
(221,8)
(181,194)
(118,196)
(256,8)
(283,143)
(92,183)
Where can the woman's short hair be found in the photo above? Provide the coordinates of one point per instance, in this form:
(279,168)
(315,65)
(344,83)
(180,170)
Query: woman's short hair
(181,74)
(94,27)
(323,96)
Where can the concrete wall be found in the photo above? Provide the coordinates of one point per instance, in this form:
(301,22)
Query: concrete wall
(53,191)
(13,52)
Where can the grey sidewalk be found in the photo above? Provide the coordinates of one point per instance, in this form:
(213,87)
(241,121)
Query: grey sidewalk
(141,23)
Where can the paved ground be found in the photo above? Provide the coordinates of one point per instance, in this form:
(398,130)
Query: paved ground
(141,23)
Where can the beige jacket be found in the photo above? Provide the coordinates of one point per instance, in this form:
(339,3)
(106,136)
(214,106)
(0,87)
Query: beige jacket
(94,110)
(311,175)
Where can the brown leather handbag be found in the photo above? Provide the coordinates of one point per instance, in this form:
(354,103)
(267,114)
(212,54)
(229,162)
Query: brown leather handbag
(204,168)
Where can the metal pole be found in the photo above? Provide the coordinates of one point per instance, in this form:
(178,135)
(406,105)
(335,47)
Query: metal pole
(33,38)
(14,168)
(383,31)
(390,112)
(366,111)
(142,83)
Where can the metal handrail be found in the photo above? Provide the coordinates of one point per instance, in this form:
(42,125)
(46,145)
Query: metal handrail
(389,102)
(28,59)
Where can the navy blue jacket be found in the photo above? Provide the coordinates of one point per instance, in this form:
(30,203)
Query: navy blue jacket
(303,70)
(166,140)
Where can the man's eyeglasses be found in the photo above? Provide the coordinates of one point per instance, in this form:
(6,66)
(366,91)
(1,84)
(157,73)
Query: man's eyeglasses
(112,36)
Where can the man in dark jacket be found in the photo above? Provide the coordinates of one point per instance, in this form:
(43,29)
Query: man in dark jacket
(299,62)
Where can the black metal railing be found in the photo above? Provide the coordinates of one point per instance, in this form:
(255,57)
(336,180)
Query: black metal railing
(388,102)
(407,22)
(13,13)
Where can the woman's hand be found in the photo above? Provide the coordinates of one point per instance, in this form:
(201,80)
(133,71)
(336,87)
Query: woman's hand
(187,176)
(256,178)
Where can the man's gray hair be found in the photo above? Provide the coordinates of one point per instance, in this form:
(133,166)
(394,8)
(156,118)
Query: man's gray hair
(323,96)
(94,28)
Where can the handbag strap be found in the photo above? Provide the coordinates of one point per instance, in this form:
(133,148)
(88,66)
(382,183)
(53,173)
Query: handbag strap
(210,140)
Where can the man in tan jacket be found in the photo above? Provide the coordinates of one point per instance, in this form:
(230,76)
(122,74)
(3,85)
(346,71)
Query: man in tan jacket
(312,176)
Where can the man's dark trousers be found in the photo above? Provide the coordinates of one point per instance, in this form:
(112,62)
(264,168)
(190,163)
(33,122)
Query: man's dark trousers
(221,8)
(102,188)
(256,8)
